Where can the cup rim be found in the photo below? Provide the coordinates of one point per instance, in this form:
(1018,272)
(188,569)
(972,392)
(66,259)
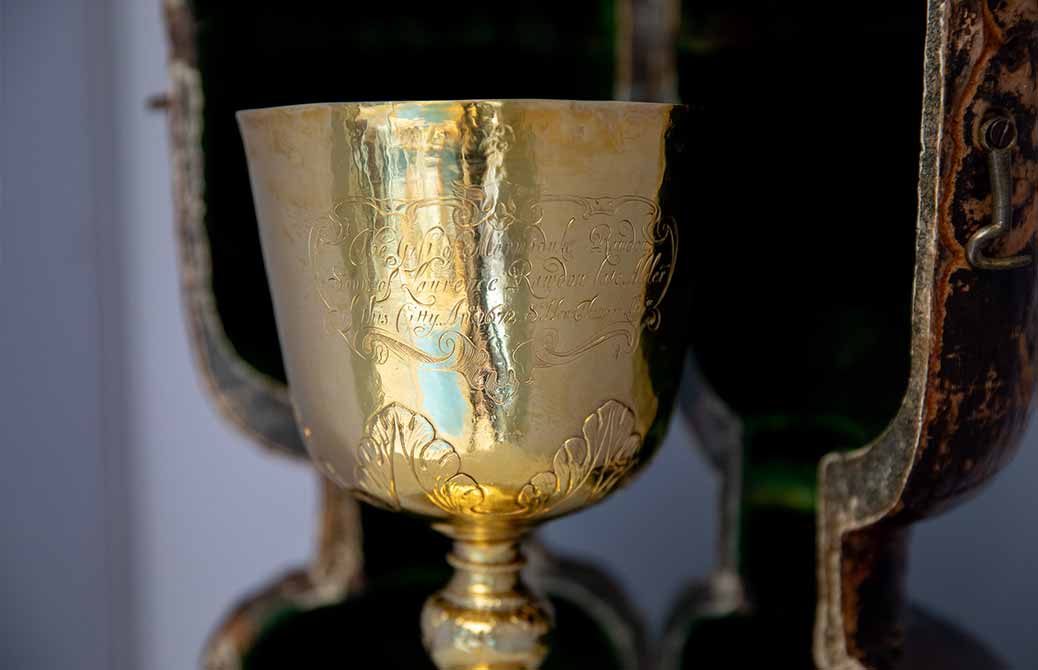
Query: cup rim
(242,114)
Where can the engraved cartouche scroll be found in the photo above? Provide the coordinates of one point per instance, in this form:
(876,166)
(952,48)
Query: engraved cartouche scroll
(432,281)
(589,466)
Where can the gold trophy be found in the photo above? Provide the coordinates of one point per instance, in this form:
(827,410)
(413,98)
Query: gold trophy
(481,312)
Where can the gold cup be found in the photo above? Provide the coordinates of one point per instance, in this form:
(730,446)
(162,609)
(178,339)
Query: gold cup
(482,318)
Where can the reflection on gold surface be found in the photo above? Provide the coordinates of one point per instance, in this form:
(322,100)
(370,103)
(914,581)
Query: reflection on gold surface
(399,440)
(476,303)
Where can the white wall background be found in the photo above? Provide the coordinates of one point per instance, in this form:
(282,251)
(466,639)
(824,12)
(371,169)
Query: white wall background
(54,549)
(131,516)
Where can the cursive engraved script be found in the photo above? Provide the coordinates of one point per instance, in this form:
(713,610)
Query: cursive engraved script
(436,281)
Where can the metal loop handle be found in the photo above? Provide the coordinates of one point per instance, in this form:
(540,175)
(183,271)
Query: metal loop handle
(998,136)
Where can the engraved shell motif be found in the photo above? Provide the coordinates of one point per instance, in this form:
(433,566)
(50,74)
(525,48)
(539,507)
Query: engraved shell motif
(590,466)
(434,463)
(593,464)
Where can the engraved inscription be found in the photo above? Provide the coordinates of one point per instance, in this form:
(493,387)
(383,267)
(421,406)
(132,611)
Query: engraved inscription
(434,281)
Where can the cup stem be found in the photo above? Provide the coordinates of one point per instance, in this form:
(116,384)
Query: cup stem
(486,618)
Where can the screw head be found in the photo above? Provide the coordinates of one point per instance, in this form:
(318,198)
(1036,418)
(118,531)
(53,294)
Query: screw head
(999,133)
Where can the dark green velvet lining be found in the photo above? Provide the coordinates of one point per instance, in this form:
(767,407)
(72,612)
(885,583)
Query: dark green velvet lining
(803,265)
(748,641)
(805,250)
(395,543)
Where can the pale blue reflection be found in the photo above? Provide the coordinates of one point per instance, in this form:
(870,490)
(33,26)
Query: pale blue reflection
(440,396)
(431,113)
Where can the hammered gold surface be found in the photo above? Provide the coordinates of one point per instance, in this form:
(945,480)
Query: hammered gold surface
(481,317)
(463,294)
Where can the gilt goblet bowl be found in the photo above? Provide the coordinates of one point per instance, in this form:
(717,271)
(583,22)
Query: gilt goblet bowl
(481,309)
